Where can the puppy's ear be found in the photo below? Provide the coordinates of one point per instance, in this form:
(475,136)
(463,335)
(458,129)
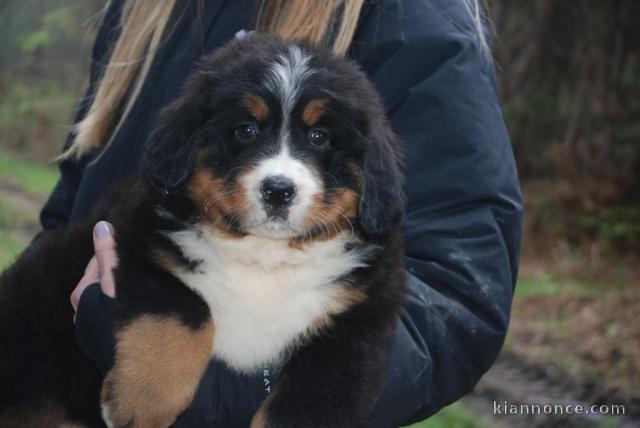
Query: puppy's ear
(169,153)
(382,202)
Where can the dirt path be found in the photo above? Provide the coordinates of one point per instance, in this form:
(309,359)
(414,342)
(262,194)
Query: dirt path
(17,197)
(514,382)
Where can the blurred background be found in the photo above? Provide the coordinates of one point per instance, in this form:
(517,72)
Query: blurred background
(570,80)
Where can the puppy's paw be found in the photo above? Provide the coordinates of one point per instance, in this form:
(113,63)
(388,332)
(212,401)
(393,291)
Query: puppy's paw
(133,405)
(106,416)
(158,365)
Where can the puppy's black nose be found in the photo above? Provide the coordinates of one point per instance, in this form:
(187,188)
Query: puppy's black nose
(277,191)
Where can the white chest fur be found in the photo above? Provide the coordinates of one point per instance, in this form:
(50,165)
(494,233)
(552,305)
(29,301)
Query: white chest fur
(264,295)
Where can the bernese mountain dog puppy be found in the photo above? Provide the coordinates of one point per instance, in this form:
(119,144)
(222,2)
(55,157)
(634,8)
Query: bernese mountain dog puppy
(264,229)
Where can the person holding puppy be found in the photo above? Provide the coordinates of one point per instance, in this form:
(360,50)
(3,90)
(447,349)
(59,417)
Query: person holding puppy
(431,63)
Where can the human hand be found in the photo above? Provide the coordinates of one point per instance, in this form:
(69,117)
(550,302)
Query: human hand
(100,267)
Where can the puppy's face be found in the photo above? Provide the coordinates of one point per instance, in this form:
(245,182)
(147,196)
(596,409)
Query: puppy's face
(276,140)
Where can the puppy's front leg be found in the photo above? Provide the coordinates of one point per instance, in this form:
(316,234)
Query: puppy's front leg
(159,363)
(333,382)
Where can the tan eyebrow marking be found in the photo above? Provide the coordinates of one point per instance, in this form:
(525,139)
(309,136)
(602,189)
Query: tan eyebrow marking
(314,111)
(256,106)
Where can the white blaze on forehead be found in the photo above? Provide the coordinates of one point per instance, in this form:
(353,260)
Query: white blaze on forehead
(285,78)
(284,164)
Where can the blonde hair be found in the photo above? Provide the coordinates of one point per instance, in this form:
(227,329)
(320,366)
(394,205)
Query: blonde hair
(329,23)
(475,10)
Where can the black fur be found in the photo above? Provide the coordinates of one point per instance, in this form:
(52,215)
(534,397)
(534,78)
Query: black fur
(40,362)
(334,379)
(165,163)
(382,202)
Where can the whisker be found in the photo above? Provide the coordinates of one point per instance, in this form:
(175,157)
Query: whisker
(323,222)
(330,175)
(340,212)
(229,212)
(212,199)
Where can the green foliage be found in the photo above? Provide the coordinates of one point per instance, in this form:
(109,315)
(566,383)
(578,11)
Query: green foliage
(571,87)
(56,24)
(43,70)
(571,91)
(36,117)
(618,225)
(557,212)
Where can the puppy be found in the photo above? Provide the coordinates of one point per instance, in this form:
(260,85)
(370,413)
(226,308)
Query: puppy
(263,230)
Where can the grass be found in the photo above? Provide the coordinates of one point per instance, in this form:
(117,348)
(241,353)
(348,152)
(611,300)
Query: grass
(541,285)
(7,215)
(12,242)
(13,216)
(563,284)
(582,325)
(457,415)
(32,178)
(16,224)
(28,183)
(10,247)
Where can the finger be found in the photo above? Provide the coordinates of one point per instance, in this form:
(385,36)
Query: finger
(105,248)
(91,275)
(103,238)
(92,268)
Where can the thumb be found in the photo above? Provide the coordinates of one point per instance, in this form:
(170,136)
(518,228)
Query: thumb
(105,248)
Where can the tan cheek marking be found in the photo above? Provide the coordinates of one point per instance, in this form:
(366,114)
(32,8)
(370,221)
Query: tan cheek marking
(215,199)
(256,106)
(347,202)
(357,172)
(203,188)
(314,111)
(329,218)
(159,363)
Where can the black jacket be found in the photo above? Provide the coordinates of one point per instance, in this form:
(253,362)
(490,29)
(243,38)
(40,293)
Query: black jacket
(464,211)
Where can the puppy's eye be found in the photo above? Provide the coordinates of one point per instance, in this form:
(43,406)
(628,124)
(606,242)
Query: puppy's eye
(246,133)
(318,138)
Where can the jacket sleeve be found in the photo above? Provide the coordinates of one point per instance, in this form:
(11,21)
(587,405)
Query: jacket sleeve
(464,211)
(57,210)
